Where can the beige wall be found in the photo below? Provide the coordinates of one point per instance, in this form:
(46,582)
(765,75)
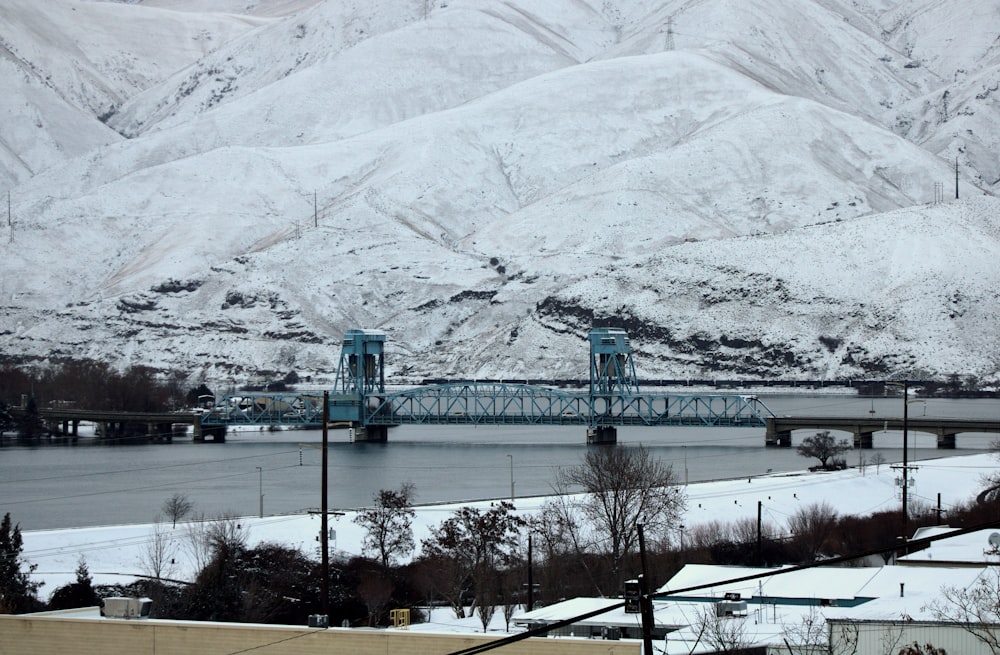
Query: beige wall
(31,635)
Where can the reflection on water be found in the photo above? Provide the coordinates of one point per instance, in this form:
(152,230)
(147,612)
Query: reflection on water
(48,487)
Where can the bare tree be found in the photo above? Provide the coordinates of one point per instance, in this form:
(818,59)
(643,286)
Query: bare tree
(975,609)
(375,591)
(508,595)
(877,460)
(562,540)
(227,533)
(890,639)
(844,638)
(705,535)
(813,528)
(823,446)
(424,576)
(725,634)
(389,524)
(809,635)
(197,542)
(158,553)
(177,507)
(626,487)
(474,544)
(444,575)
(487,590)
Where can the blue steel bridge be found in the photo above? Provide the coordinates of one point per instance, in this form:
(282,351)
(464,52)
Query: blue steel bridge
(361,401)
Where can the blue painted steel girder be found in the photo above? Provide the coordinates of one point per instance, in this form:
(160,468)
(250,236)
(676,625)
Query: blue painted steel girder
(492,403)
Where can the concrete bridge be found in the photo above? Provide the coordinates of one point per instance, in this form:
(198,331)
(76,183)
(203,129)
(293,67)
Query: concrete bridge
(155,426)
(779,428)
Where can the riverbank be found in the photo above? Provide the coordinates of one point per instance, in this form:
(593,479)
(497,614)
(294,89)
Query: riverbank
(121,553)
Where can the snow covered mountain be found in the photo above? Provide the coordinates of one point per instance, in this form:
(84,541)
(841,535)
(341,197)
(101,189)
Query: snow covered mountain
(753,188)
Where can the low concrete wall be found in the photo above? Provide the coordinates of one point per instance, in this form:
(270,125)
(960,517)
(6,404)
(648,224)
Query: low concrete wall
(33,634)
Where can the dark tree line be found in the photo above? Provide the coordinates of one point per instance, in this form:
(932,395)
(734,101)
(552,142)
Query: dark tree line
(90,384)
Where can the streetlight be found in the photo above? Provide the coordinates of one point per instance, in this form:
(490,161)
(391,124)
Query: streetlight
(511,458)
(260,489)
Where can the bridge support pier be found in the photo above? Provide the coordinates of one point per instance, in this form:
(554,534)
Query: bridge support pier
(69,427)
(602,435)
(780,438)
(216,432)
(946,441)
(371,433)
(863,439)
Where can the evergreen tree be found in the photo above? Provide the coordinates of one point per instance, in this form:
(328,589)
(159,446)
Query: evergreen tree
(18,594)
(76,594)
(30,425)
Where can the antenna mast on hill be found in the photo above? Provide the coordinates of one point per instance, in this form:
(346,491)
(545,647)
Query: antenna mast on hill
(956,177)
(10,222)
(670,33)
(315,213)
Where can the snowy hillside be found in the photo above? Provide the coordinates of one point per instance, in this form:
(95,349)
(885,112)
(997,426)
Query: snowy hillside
(754,189)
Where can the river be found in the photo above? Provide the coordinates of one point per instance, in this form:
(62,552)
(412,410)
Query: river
(59,486)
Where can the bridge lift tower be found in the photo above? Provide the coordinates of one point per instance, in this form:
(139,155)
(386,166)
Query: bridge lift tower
(360,379)
(612,375)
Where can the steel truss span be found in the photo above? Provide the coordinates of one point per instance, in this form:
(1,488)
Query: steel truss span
(492,403)
(360,398)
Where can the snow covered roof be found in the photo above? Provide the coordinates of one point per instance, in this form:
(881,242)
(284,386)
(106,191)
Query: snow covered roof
(816,584)
(971,549)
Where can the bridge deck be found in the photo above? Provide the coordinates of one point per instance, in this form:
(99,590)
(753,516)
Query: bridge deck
(779,429)
(492,403)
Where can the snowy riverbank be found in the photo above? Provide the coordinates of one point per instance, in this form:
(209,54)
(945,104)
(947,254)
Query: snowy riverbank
(120,553)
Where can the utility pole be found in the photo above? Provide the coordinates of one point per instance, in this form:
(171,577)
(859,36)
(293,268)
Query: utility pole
(324,533)
(905,466)
(260,491)
(956,177)
(645,598)
(511,458)
(531,581)
(906,469)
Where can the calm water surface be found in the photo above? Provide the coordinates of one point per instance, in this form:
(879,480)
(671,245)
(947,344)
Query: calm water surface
(87,484)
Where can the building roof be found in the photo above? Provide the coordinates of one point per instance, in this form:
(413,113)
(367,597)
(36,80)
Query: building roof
(663,616)
(793,587)
(972,549)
